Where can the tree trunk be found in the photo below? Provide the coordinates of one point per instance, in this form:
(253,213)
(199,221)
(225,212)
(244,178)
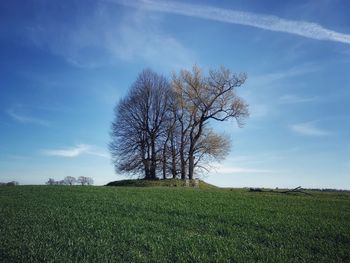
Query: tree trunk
(173,165)
(193,143)
(146,160)
(183,167)
(147,170)
(182,156)
(190,166)
(173,155)
(152,172)
(165,156)
(164,161)
(153,160)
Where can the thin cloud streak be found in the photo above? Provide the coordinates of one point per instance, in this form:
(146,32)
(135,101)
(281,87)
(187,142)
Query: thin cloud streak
(268,22)
(292,99)
(278,77)
(308,129)
(76,151)
(26,119)
(225,169)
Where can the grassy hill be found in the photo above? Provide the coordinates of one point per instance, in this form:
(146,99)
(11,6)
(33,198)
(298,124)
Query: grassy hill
(166,224)
(161,183)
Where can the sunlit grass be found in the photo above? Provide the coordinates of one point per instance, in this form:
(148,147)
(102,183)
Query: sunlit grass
(101,224)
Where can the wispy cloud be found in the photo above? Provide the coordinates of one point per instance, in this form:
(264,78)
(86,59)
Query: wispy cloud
(76,151)
(16,157)
(98,153)
(26,119)
(139,38)
(102,36)
(309,129)
(273,77)
(268,22)
(229,169)
(291,99)
(40,106)
(260,103)
(259,110)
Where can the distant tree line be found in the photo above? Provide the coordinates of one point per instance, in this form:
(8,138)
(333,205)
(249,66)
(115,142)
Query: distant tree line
(70,180)
(164,128)
(12,183)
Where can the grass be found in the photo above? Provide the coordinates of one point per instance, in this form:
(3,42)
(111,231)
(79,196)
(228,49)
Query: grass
(134,224)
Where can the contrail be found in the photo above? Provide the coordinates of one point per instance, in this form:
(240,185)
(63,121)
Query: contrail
(268,22)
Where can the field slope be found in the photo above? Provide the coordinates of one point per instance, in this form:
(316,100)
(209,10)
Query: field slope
(134,224)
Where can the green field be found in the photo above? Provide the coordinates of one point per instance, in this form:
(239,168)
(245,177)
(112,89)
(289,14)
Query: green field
(129,224)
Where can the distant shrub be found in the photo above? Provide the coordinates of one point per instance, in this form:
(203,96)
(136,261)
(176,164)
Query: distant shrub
(12,183)
(69,180)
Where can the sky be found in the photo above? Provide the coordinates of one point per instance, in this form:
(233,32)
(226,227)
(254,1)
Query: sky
(65,64)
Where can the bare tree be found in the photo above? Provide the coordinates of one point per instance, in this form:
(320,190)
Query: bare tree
(51,181)
(90,181)
(204,98)
(168,140)
(138,125)
(69,180)
(83,180)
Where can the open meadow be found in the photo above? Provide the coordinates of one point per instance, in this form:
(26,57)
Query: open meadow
(159,224)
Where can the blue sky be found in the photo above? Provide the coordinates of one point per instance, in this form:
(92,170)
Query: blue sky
(64,65)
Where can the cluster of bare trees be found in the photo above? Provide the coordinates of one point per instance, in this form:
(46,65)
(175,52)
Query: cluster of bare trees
(162,127)
(70,180)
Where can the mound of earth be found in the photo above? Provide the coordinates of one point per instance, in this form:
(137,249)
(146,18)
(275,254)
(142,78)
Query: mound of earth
(162,183)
